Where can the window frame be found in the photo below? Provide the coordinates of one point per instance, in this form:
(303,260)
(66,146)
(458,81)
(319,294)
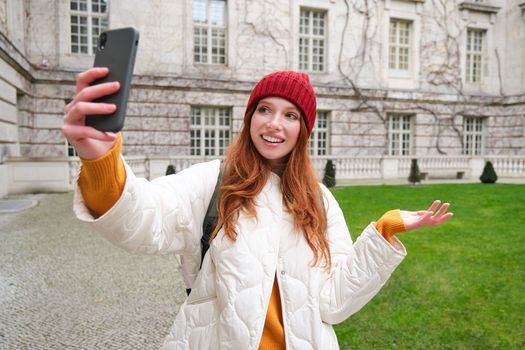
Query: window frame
(397,46)
(202,128)
(482,53)
(210,29)
(314,140)
(470,147)
(71,151)
(399,151)
(92,35)
(310,37)
(402,79)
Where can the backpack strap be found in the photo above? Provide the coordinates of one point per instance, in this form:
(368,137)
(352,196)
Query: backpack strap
(210,221)
(211,218)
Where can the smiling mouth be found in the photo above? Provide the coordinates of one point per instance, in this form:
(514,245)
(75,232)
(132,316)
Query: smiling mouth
(271,139)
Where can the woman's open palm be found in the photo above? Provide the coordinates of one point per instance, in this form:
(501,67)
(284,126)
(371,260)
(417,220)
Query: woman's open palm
(423,218)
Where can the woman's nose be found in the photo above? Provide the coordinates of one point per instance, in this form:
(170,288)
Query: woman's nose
(275,122)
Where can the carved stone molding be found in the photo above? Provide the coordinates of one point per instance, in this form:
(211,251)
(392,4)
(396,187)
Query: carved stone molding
(479,7)
(469,6)
(418,3)
(522,7)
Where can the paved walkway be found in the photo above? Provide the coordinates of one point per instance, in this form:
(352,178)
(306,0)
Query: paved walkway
(64,287)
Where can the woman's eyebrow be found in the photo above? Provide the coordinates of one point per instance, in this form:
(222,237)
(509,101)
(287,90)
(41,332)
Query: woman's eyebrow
(292,107)
(264,101)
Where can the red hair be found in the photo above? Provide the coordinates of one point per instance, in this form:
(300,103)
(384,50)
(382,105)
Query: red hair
(245,174)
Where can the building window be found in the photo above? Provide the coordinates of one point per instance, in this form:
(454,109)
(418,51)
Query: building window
(399,134)
(209,31)
(472,136)
(210,130)
(312,39)
(89,18)
(319,145)
(474,58)
(71,151)
(399,44)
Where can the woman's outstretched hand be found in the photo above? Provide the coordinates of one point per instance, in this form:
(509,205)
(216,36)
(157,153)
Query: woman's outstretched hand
(435,215)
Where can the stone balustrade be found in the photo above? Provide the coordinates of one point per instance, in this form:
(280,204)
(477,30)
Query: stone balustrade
(60,174)
(508,166)
(362,167)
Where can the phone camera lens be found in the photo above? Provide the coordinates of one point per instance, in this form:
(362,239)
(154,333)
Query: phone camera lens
(102,41)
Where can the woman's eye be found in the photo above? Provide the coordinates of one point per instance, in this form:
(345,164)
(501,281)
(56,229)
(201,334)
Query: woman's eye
(292,116)
(263,110)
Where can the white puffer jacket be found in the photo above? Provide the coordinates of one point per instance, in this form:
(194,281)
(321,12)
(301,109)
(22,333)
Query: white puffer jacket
(227,306)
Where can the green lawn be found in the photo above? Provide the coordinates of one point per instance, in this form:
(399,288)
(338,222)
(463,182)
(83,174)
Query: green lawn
(462,285)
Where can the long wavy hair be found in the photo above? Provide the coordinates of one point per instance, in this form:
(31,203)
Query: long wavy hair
(245,174)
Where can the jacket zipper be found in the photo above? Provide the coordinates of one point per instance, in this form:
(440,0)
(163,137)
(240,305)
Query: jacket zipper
(259,337)
(279,284)
(283,312)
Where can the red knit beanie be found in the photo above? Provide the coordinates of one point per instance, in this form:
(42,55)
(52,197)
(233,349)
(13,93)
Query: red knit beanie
(293,86)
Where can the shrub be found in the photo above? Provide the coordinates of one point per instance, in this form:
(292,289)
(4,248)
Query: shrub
(170,170)
(329,174)
(415,175)
(489,174)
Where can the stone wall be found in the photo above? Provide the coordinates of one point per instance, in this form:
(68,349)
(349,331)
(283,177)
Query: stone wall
(263,36)
(37,73)
(15,79)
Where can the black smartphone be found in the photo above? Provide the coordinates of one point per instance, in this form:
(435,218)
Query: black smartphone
(116,50)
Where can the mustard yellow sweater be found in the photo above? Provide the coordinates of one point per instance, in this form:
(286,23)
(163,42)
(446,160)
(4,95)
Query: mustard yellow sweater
(102,180)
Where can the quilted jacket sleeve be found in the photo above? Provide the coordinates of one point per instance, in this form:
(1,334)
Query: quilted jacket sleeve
(161,216)
(359,270)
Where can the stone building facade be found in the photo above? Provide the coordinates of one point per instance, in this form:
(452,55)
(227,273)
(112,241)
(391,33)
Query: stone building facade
(395,79)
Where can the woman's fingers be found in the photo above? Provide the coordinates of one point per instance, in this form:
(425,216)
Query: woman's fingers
(79,132)
(82,105)
(79,110)
(439,220)
(441,210)
(434,205)
(440,216)
(86,78)
(89,142)
(90,93)
(445,217)
(85,93)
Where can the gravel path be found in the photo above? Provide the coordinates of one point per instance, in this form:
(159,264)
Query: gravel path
(63,286)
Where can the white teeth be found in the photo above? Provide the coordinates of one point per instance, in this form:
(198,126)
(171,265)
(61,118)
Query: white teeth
(272,139)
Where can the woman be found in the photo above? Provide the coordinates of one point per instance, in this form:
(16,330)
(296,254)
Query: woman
(281,268)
